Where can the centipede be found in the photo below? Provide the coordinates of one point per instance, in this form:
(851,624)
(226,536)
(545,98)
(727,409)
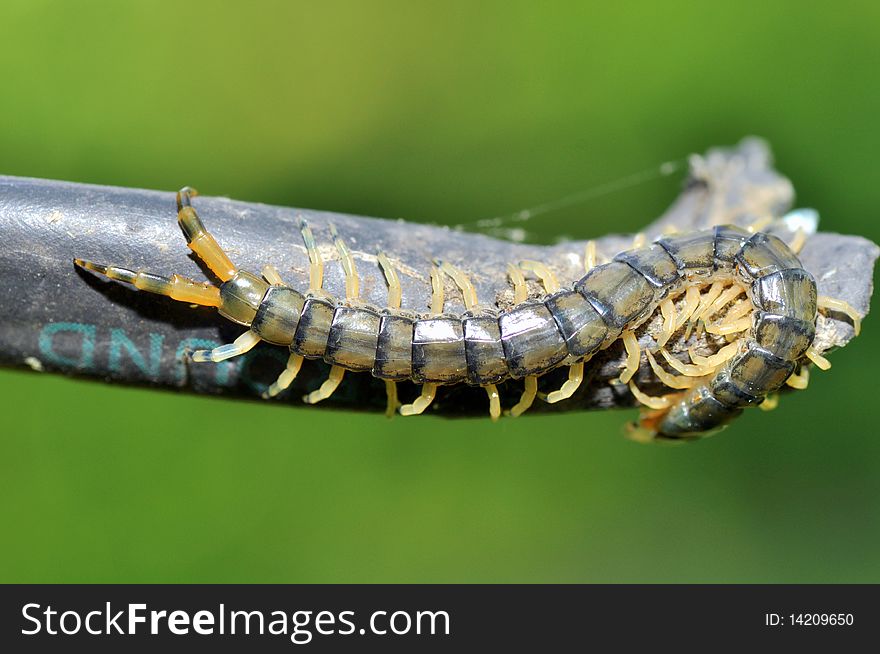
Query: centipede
(743,289)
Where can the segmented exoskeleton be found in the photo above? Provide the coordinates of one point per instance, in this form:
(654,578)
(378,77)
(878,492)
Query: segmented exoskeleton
(752,283)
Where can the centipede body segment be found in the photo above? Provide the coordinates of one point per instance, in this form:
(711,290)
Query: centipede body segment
(746,288)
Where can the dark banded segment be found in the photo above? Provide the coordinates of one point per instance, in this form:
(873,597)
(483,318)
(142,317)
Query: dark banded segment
(693,253)
(790,292)
(727,391)
(700,412)
(438,354)
(278,315)
(618,293)
(394,346)
(353,338)
(483,348)
(531,339)
(784,336)
(313,330)
(764,254)
(757,371)
(655,264)
(240,297)
(580,324)
(729,240)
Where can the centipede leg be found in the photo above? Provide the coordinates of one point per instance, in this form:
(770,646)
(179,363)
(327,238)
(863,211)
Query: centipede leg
(468,292)
(199,240)
(422,402)
(520,290)
(392,403)
(657,403)
(285,379)
(691,302)
(494,401)
(547,276)
(316,264)
(800,380)
(590,258)
(242,344)
(639,240)
(328,387)
(770,402)
(821,362)
(270,274)
(633,355)
(830,304)
(352,281)
(673,381)
(527,397)
(667,310)
(395,292)
(568,388)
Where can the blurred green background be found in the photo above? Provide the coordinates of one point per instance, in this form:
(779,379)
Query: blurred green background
(443,112)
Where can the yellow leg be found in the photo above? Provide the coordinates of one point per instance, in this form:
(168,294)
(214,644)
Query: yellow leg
(285,379)
(798,242)
(240,345)
(395,292)
(657,403)
(437,292)
(199,239)
(770,402)
(575,379)
(736,311)
(316,264)
(422,402)
(468,292)
(713,361)
(547,276)
(687,369)
(667,310)
(494,401)
(673,381)
(760,224)
(639,240)
(271,275)
(352,282)
(520,290)
(691,302)
(730,294)
(707,300)
(328,387)
(527,397)
(800,380)
(393,403)
(839,306)
(821,362)
(633,356)
(722,329)
(590,256)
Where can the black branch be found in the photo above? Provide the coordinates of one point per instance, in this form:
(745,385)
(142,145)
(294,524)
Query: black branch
(57,318)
